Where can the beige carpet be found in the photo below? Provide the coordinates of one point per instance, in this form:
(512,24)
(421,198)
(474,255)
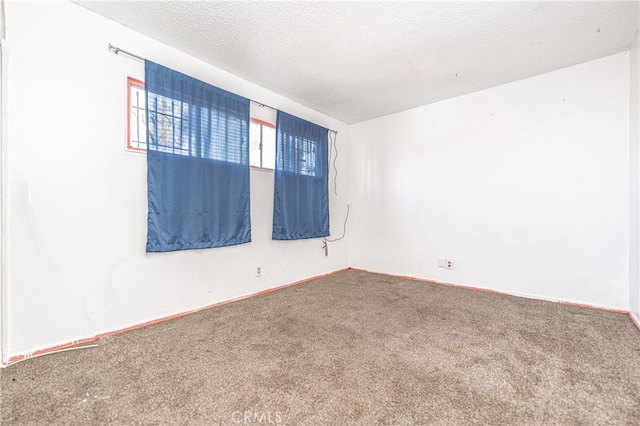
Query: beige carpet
(351,348)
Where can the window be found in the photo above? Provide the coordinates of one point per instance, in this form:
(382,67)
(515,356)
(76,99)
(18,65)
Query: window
(300,157)
(170,119)
(190,129)
(263,144)
(301,197)
(136,110)
(197,163)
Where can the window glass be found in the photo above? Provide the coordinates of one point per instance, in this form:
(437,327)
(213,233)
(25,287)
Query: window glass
(254,146)
(136,125)
(262,147)
(268,147)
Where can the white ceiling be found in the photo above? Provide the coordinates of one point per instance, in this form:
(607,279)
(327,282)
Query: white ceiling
(360,60)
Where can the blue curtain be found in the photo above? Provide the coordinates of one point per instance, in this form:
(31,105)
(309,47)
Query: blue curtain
(197,163)
(301,194)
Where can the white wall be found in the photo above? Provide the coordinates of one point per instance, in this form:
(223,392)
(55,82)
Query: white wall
(77,200)
(634,165)
(3,192)
(525,186)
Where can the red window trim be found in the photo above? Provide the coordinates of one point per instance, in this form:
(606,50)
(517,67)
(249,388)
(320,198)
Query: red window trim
(263,122)
(139,83)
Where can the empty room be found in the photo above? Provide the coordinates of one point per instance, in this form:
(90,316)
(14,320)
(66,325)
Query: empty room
(319,212)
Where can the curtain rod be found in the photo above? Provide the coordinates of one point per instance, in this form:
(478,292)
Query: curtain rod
(116,50)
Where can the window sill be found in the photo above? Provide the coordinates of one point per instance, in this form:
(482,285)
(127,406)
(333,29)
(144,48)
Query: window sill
(261,169)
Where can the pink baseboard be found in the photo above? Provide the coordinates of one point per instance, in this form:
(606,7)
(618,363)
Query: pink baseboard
(635,321)
(81,341)
(85,340)
(488,290)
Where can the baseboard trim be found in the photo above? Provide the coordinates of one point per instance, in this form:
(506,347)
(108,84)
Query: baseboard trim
(82,341)
(601,308)
(635,320)
(488,290)
(66,346)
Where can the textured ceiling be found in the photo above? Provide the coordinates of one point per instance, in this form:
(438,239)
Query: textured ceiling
(359,60)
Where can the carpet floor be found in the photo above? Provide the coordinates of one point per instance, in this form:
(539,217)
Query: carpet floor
(349,348)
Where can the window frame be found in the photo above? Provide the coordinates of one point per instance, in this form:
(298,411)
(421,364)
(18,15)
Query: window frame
(268,124)
(132,81)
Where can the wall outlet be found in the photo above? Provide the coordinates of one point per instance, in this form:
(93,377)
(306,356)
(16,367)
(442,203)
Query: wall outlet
(258,271)
(445,263)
